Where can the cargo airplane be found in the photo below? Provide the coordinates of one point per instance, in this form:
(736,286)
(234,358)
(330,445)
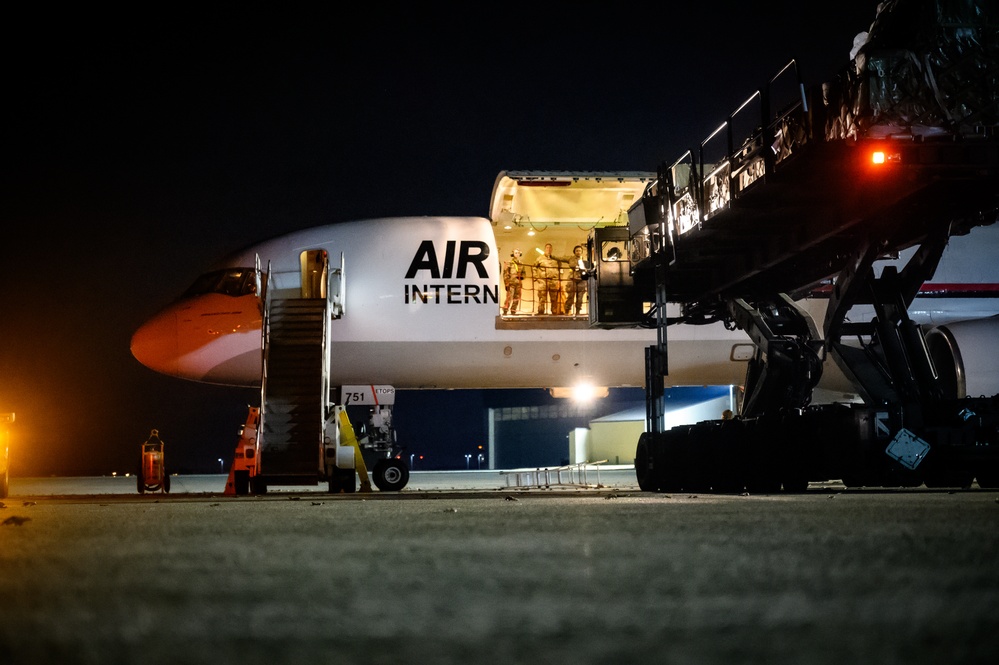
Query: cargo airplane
(420,302)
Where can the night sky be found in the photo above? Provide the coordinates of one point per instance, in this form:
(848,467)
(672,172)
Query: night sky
(138,150)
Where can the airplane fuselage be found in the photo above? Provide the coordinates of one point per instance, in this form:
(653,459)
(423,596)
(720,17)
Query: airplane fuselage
(422,310)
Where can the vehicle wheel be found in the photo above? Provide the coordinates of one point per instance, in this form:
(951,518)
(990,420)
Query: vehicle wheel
(140,484)
(698,472)
(4,485)
(726,458)
(257,485)
(166,483)
(793,474)
(241,483)
(644,466)
(348,480)
(937,478)
(391,475)
(671,447)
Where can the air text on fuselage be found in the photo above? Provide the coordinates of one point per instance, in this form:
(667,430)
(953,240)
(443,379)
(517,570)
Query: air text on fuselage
(449,285)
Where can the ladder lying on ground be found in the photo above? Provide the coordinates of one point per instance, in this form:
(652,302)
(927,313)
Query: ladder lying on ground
(572,475)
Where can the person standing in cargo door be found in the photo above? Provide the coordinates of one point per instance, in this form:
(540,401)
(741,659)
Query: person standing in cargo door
(546,281)
(513,278)
(575,288)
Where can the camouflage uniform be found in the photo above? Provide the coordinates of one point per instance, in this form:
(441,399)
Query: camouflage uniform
(513,276)
(546,281)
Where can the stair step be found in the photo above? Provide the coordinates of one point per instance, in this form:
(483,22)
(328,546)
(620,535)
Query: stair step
(293,403)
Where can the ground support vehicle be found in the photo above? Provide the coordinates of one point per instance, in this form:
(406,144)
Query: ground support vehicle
(896,155)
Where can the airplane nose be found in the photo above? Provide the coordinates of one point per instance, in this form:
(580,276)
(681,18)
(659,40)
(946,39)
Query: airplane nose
(155,343)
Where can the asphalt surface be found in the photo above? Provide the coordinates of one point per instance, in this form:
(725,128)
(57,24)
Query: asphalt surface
(591,476)
(469,570)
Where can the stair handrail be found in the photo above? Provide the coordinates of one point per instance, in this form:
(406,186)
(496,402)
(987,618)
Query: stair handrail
(265,310)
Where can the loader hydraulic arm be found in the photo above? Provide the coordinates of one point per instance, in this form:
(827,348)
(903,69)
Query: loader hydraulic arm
(789,353)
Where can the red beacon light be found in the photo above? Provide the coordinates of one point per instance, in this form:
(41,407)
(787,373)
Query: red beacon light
(880,157)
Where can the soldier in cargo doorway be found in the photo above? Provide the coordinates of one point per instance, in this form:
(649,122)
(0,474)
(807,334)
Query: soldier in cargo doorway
(546,282)
(513,278)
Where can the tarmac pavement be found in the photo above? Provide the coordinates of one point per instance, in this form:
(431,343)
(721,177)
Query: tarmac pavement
(494,574)
(610,476)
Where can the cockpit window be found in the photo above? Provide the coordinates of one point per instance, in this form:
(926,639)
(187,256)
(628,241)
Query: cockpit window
(230,282)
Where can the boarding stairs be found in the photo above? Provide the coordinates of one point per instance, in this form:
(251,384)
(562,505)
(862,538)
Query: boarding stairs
(293,394)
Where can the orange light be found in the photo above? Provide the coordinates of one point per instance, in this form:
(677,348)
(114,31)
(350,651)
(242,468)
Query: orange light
(878,157)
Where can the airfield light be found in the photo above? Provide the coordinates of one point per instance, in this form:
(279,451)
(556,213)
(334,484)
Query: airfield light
(583,392)
(580,392)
